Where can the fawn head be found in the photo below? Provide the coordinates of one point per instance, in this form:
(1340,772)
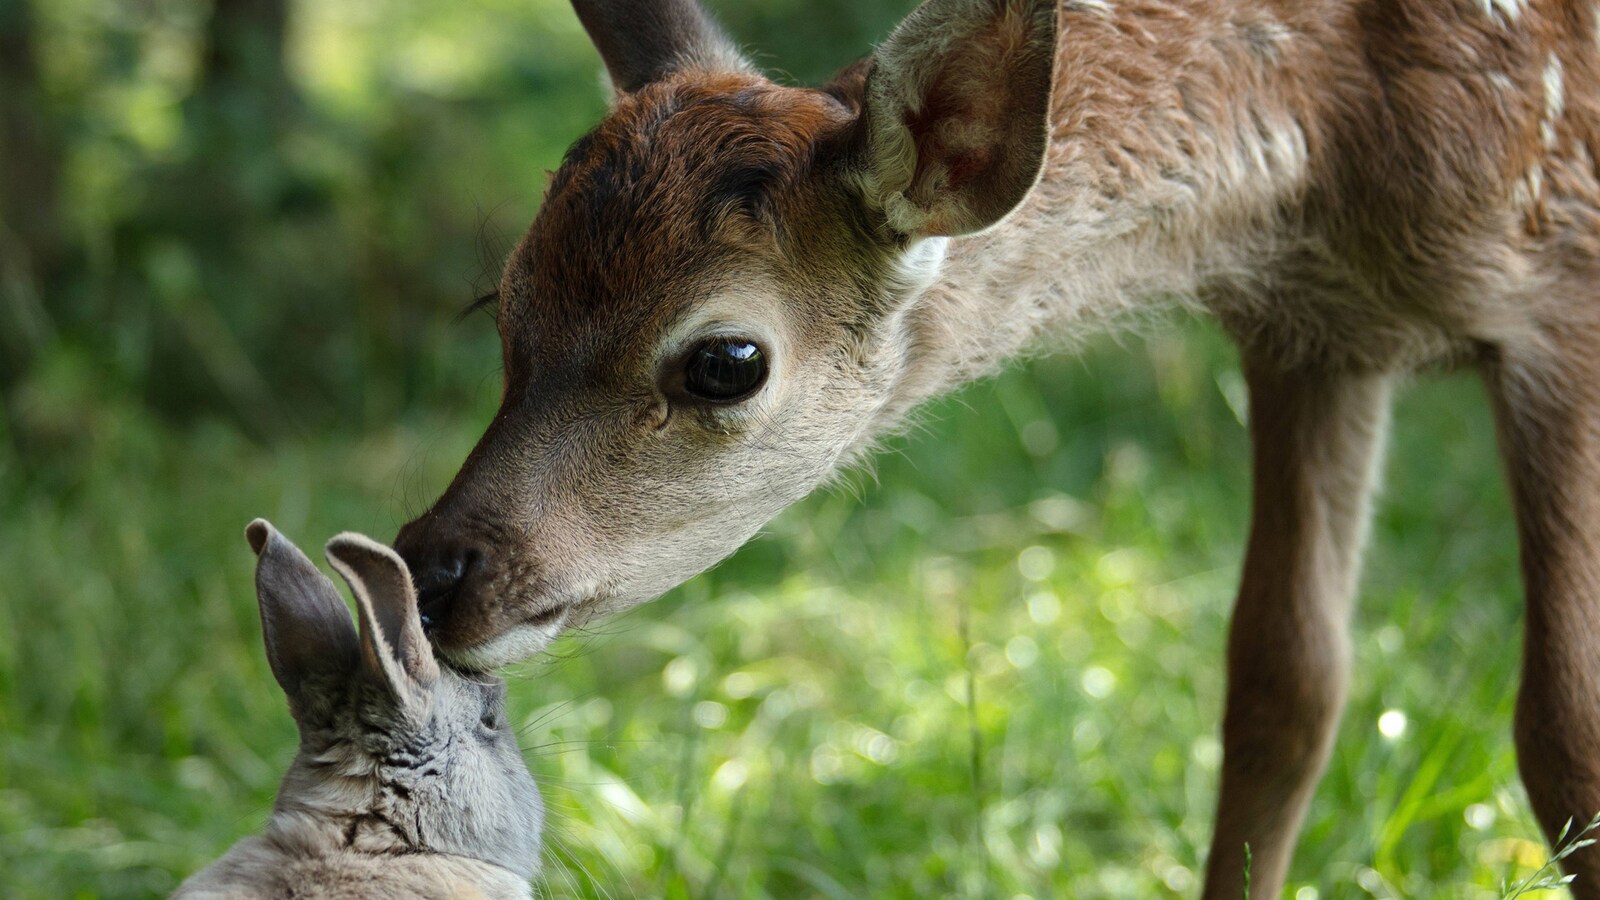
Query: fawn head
(710,310)
(397,753)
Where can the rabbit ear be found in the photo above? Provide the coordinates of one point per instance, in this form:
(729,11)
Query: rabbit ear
(304,622)
(393,647)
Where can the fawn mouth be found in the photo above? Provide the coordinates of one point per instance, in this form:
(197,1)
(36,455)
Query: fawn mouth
(552,618)
(520,641)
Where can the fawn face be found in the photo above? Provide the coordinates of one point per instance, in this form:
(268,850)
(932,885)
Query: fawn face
(709,312)
(399,754)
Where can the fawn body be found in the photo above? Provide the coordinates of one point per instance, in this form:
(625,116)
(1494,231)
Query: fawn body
(409,783)
(733,288)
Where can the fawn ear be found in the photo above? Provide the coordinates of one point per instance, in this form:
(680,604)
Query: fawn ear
(393,648)
(304,622)
(957,114)
(643,41)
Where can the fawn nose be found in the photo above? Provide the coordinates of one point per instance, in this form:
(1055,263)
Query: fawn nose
(438,573)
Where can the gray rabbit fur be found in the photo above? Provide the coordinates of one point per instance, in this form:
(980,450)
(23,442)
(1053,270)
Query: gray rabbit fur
(409,782)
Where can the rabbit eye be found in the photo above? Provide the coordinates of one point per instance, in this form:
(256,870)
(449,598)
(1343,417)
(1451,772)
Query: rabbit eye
(491,720)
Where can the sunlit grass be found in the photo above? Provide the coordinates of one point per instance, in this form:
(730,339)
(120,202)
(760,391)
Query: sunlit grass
(992,668)
(989,668)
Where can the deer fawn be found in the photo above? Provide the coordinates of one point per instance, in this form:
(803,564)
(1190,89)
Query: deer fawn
(733,288)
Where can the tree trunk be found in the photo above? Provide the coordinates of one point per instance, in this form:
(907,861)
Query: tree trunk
(225,189)
(244,55)
(30,235)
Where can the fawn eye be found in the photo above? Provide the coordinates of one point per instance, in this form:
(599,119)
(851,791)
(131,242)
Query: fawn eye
(725,369)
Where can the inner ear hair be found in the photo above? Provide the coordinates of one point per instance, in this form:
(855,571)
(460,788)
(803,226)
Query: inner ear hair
(956,114)
(393,646)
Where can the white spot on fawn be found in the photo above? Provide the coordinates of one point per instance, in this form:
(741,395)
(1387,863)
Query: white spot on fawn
(1525,193)
(1555,102)
(1102,7)
(1266,36)
(920,265)
(1270,148)
(1505,11)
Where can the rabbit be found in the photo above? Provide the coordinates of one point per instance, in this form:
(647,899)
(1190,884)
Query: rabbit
(409,782)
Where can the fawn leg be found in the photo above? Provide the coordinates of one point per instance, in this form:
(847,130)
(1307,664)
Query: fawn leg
(1317,438)
(1547,405)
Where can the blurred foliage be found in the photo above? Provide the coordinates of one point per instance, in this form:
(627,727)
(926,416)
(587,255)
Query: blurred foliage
(233,237)
(269,216)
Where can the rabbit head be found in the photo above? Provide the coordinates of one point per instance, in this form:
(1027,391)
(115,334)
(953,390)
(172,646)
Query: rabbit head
(397,753)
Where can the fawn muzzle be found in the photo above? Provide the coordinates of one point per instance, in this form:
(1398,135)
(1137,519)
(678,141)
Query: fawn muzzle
(438,579)
(447,569)
(495,578)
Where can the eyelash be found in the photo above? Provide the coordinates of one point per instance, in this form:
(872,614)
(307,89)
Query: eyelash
(491,299)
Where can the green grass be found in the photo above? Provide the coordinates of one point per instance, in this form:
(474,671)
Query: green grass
(991,668)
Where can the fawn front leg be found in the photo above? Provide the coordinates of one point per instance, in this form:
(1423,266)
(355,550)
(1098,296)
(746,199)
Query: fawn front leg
(1547,403)
(1317,438)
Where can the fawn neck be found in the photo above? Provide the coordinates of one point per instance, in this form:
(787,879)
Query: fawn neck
(1177,139)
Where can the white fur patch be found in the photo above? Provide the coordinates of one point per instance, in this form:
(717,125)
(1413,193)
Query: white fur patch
(1270,155)
(1267,37)
(1555,102)
(920,265)
(1526,192)
(1505,12)
(1099,7)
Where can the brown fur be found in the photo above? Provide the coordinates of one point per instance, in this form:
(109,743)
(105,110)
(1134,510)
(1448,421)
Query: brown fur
(1356,189)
